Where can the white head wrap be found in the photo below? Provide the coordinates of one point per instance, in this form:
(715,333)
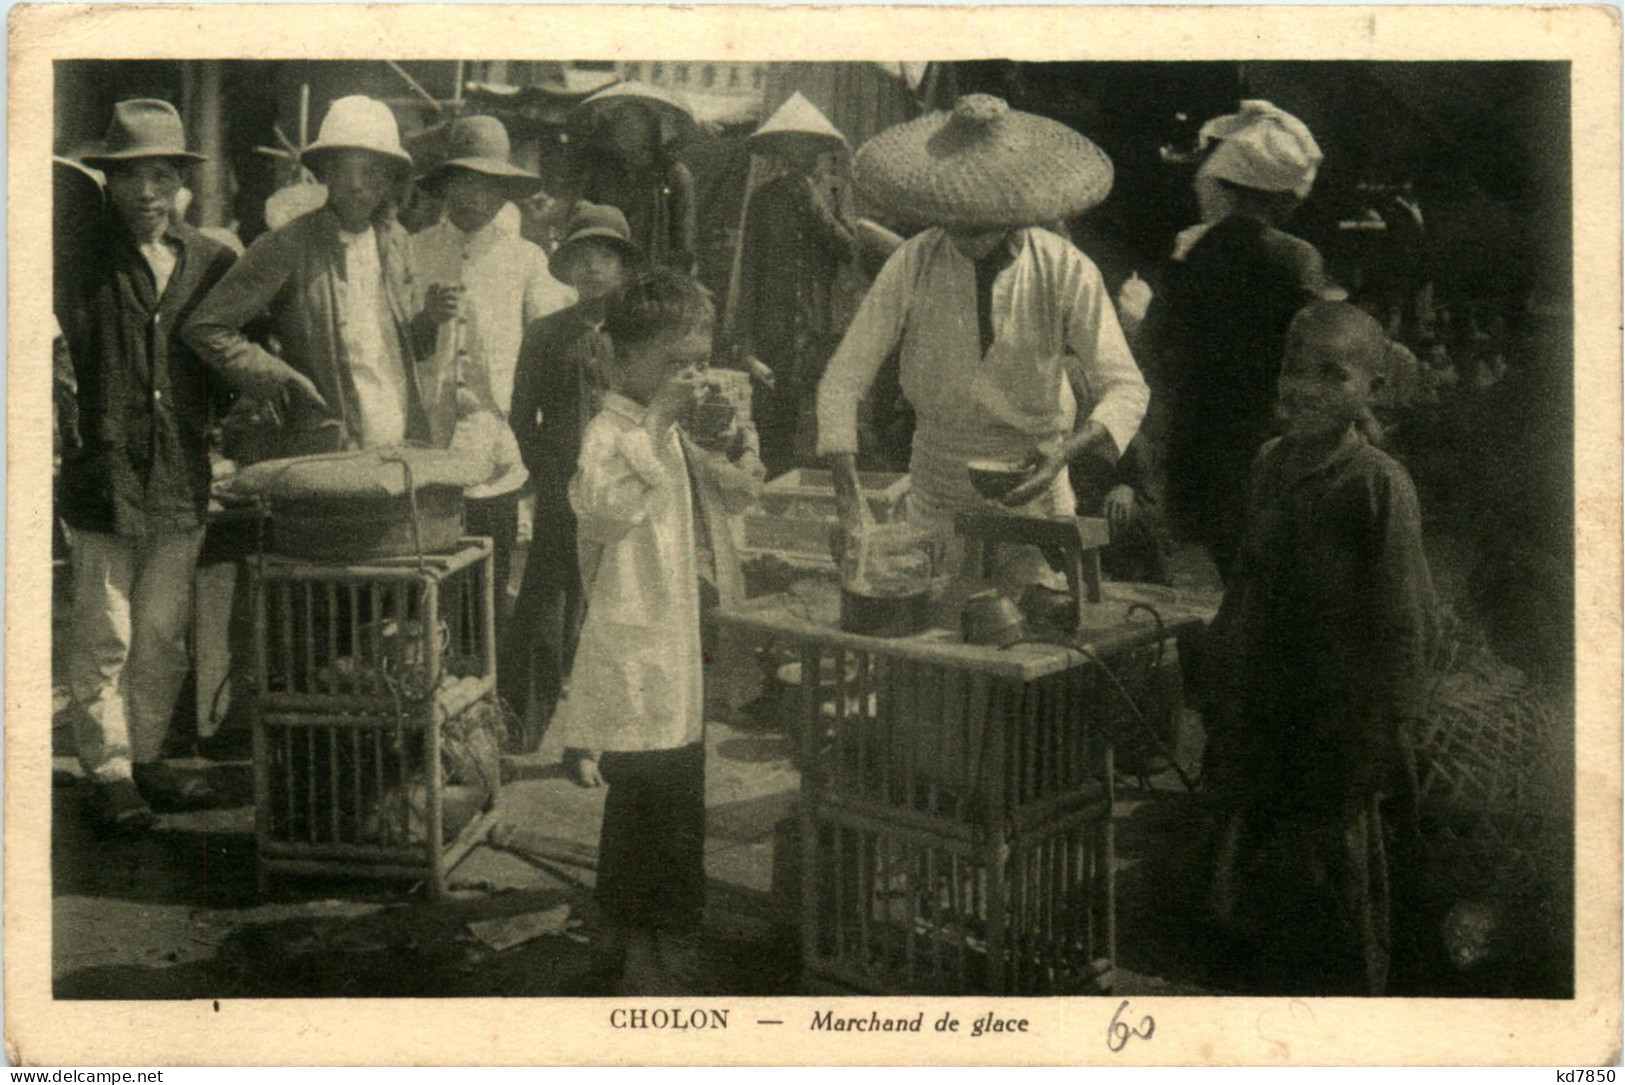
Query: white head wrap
(1261,147)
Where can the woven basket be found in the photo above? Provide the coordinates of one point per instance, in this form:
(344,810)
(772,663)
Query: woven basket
(1496,775)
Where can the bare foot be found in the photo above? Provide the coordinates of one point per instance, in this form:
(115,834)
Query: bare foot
(584,771)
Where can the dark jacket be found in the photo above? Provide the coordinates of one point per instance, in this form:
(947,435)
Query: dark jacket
(562,372)
(659,206)
(138,459)
(294,275)
(794,247)
(1324,632)
(1219,333)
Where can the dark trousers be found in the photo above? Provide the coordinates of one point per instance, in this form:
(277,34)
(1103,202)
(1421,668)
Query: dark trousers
(651,850)
(546,620)
(497,518)
(778,412)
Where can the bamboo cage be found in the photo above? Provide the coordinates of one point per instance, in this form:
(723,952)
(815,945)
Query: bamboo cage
(955,814)
(376,733)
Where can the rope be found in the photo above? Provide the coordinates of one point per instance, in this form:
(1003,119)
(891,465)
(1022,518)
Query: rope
(1117,683)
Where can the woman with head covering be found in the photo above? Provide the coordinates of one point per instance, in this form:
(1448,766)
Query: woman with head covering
(1220,329)
(795,240)
(629,166)
(1010,349)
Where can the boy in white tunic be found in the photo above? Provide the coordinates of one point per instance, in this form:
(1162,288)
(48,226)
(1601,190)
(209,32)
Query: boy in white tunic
(641,496)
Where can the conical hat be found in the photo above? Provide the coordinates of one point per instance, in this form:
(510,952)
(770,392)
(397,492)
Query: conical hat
(984,164)
(796,119)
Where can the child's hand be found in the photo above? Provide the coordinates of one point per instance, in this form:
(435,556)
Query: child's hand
(669,402)
(444,302)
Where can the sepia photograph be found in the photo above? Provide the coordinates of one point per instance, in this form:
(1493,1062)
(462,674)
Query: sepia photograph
(658,531)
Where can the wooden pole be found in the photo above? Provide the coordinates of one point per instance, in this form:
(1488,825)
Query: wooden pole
(211,196)
(730,314)
(417,88)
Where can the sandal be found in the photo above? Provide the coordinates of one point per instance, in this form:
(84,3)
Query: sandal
(169,791)
(120,807)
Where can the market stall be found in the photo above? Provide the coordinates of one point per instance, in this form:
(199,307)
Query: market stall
(957,779)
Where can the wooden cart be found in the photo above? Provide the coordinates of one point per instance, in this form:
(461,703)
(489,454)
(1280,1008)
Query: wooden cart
(366,677)
(956,801)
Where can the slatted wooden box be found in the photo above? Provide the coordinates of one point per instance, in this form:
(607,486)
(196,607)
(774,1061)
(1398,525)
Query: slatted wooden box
(956,801)
(348,638)
(798,510)
(376,732)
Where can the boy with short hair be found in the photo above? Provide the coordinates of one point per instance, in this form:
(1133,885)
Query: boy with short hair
(650,504)
(1323,636)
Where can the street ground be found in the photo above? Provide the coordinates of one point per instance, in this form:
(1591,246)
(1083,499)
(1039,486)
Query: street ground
(174,914)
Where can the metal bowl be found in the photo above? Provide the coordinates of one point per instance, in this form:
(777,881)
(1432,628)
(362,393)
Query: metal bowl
(991,619)
(995,478)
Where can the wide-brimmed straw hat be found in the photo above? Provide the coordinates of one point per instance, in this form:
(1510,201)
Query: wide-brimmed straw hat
(143,128)
(480,145)
(594,222)
(797,121)
(983,164)
(359,123)
(671,110)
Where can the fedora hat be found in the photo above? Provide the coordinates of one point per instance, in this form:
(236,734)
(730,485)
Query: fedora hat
(594,222)
(359,123)
(142,128)
(983,164)
(480,145)
(797,120)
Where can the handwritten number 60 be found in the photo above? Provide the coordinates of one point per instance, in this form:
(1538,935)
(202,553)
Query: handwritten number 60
(1119,1032)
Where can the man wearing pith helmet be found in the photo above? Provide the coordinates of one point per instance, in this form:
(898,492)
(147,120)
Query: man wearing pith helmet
(337,284)
(1010,348)
(135,474)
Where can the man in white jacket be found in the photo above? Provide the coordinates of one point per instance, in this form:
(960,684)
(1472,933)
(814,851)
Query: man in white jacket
(1010,347)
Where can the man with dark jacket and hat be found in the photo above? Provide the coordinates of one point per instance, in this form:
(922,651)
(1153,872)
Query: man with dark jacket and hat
(337,284)
(135,477)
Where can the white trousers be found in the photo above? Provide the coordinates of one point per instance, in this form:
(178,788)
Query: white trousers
(127,660)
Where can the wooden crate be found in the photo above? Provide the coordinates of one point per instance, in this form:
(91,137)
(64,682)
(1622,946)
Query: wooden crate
(901,910)
(373,796)
(808,493)
(337,639)
(366,678)
(990,768)
(798,510)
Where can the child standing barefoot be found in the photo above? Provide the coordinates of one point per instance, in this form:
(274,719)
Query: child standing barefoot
(637,692)
(1324,630)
